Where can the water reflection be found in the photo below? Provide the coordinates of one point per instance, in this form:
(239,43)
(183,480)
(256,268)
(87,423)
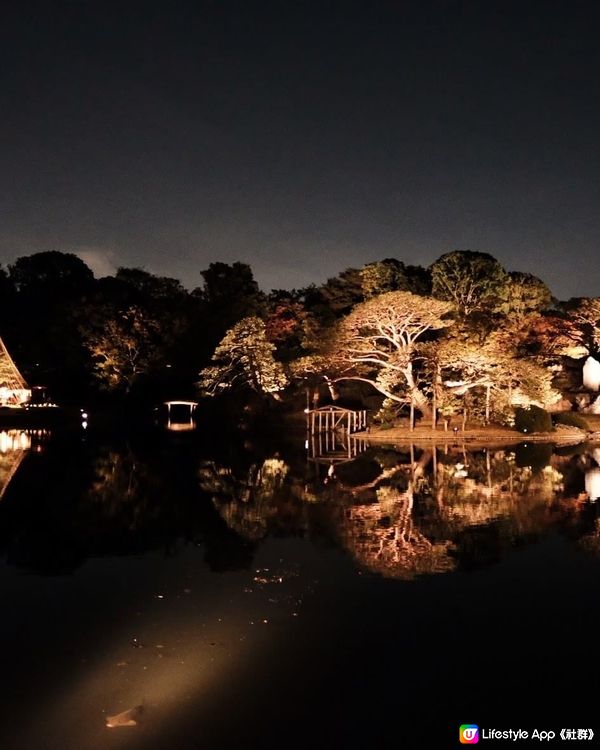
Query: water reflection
(248,503)
(384,537)
(396,511)
(405,511)
(287,528)
(14,446)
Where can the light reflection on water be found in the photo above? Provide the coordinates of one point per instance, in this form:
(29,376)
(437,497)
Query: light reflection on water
(188,567)
(402,512)
(14,445)
(399,511)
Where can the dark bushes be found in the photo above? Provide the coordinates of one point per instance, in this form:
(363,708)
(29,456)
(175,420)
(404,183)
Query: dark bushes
(533,419)
(572,419)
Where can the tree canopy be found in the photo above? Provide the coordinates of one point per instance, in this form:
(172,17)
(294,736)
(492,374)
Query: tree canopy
(464,334)
(244,359)
(377,341)
(468,279)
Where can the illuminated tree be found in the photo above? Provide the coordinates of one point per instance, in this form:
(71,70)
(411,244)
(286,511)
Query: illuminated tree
(124,347)
(244,358)
(543,338)
(523,294)
(470,280)
(377,343)
(384,276)
(391,275)
(585,314)
(290,327)
(491,379)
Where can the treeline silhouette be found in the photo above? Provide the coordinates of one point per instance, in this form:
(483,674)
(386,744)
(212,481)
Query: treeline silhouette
(142,337)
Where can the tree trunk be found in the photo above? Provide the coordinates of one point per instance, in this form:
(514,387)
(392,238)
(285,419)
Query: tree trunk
(437,379)
(333,391)
(417,398)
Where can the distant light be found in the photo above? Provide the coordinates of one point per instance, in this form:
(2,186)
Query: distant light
(306,444)
(84,415)
(307,411)
(84,425)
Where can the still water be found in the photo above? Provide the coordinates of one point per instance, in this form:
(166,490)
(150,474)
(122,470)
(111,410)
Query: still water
(202,593)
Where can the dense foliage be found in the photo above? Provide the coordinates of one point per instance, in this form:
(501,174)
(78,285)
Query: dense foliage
(532,419)
(463,337)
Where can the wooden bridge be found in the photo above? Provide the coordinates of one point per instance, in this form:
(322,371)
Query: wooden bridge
(329,418)
(329,447)
(327,450)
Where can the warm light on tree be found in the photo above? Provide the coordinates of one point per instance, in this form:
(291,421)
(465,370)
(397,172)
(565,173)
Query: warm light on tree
(244,358)
(470,280)
(123,348)
(377,342)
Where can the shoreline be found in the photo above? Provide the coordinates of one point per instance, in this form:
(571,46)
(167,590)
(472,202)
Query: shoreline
(485,436)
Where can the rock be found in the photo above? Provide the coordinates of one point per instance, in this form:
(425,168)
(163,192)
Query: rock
(129,718)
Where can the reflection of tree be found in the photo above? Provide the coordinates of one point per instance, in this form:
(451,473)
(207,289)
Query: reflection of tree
(409,511)
(384,538)
(591,542)
(120,488)
(489,487)
(247,503)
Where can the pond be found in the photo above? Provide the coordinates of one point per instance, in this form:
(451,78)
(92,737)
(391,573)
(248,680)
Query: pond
(202,592)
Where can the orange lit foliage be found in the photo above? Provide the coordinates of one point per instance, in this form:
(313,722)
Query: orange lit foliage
(546,337)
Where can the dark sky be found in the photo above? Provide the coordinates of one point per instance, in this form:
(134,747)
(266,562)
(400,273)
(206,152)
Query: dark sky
(302,137)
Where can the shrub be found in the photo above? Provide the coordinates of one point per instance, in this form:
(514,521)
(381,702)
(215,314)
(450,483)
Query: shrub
(572,419)
(533,419)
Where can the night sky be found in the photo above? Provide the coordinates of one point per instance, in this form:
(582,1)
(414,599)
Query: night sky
(301,137)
